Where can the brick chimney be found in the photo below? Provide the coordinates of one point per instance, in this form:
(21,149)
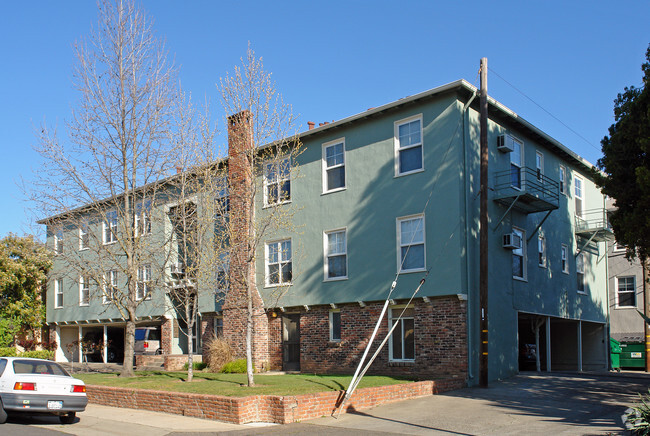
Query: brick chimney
(242,272)
(311,124)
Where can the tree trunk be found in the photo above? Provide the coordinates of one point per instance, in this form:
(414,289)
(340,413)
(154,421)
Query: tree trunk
(129,342)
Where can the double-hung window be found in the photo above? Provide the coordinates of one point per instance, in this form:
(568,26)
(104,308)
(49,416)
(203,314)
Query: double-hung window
(580,273)
(562,179)
(335,325)
(84,237)
(539,165)
(277,181)
(278,263)
(58,293)
(564,258)
(519,256)
(541,251)
(58,242)
(334,166)
(626,291)
(84,291)
(408,146)
(143,218)
(516,158)
(410,243)
(143,285)
(402,340)
(218,326)
(577,182)
(110,286)
(222,200)
(336,258)
(110,228)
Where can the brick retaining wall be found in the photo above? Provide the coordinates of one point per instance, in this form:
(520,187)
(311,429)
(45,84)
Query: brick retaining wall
(263,408)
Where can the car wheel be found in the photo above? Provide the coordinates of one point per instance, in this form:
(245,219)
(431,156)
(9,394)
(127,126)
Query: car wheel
(68,418)
(3,414)
(111,356)
(159,351)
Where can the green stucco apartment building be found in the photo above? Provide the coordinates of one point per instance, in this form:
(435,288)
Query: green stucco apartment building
(396,189)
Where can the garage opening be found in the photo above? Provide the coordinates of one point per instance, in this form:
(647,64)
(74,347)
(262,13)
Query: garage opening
(532,342)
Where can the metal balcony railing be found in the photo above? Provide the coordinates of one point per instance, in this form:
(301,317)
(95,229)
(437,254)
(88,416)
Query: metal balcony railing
(594,225)
(526,190)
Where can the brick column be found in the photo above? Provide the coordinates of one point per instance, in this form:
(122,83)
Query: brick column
(242,268)
(166,333)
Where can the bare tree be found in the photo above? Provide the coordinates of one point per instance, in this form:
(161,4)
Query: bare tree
(101,190)
(263,148)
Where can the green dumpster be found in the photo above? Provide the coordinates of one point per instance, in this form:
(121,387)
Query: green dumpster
(632,355)
(615,354)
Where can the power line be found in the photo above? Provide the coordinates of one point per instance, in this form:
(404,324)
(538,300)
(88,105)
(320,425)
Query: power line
(542,108)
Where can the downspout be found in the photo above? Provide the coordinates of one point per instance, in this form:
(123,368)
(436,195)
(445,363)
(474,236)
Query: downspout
(466,191)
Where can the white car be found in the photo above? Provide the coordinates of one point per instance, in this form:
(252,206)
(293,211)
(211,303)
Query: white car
(39,386)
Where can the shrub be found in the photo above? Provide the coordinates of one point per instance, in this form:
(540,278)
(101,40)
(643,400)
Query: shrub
(8,331)
(637,417)
(198,366)
(218,354)
(39,354)
(7,352)
(235,367)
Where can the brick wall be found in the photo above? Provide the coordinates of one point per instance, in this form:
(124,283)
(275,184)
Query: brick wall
(176,362)
(264,408)
(166,335)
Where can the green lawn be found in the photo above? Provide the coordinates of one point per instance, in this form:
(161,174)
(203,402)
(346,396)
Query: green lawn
(234,385)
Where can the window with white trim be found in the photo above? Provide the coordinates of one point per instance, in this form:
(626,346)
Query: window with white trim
(143,218)
(577,182)
(562,179)
(402,340)
(84,291)
(564,258)
(218,326)
(539,165)
(58,293)
(580,273)
(410,243)
(110,286)
(618,247)
(110,228)
(626,291)
(84,237)
(334,165)
(541,251)
(277,182)
(519,256)
(278,263)
(336,258)
(58,242)
(408,146)
(143,285)
(516,159)
(335,325)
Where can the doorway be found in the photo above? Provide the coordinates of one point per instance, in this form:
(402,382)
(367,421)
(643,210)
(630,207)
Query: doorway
(291,342)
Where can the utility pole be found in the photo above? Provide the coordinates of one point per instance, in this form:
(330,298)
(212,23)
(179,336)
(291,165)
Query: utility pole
(483,287)
(646,311)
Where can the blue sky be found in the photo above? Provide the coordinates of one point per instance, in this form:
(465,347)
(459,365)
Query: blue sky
(337,58)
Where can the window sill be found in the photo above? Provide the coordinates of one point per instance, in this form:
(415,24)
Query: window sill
(421,170)
(520,279)
(565,272)
(58,307)
(335,279)
(278,285)
(409,271)
(110,243)
(84,249)
(84,305)
(401,363)
(625,307)
(332,191)
(266,205)
(334,344)
(582,292)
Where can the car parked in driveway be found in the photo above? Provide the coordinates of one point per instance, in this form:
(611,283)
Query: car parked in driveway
(39,386)
(147,340)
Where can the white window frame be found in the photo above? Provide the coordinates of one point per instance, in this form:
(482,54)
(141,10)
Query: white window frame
(325,168)
(334,313)
(143,284)
(618,292)
(580,273)
(619,248)
(578,191)
(58,292)
(277,163)
(393,314)
(562,178)
(142,213)
(399,148)
(518,164)
(564,258)
(110,223)
(110,285)
(83,233)
(521,252)
(401,244)
(58,242)
(327,254)
(541,250)
(539,165)
(281,262)
(84,288)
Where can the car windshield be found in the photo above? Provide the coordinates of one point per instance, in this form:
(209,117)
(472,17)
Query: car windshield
(38,367)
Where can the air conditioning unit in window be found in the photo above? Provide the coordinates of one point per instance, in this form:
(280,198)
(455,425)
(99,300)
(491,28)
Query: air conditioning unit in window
(512,241)
(177,268)
(505,143)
